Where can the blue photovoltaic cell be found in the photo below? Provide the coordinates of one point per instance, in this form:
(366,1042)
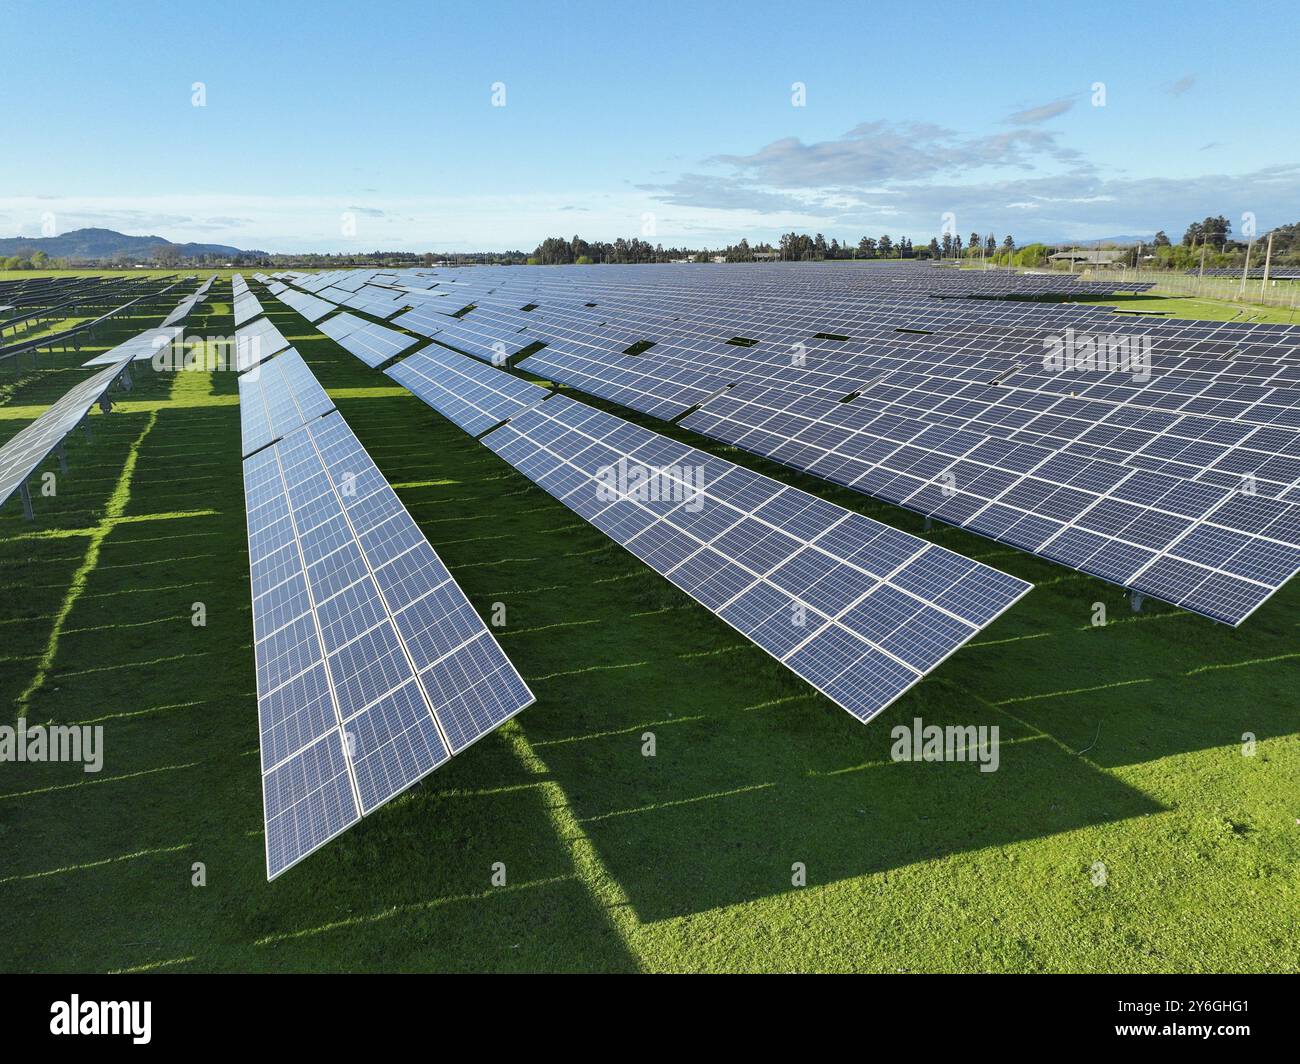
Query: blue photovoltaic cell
(428,319)
(941,405)
(372,666)
(247,307)
(858,609)
(311,307)
(257,342)
(341,325)
(1143,529)
(23,452)
(276,397)
(472,395)
(371,342)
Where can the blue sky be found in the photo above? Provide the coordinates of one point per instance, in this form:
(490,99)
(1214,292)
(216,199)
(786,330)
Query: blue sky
(336,126)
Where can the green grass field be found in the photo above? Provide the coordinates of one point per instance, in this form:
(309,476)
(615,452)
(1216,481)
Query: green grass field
(1199,308)
(1120,744)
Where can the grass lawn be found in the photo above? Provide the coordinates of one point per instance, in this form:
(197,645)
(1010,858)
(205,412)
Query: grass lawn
(1120,745)
(1194,307)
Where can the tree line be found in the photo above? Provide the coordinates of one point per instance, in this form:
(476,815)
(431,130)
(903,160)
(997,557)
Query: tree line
(792,247)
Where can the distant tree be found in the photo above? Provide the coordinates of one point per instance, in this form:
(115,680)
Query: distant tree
(1031,255)
(741,252)
(867,248)
(1161,241)
(947,245)
(934,247)
(886,245)
(39,260)
(795,246)
(1212,231)
(1286,239)
(1008,244)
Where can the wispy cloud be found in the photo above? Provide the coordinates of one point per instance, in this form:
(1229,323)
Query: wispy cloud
(872,152)
(1183,84)
(1031,116)
(1074,203)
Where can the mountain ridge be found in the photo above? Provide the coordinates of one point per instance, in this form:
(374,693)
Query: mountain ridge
(95,243)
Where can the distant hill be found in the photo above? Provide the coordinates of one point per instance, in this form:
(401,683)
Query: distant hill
(104,244)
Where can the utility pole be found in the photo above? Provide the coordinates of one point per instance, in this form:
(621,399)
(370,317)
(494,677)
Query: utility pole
(1268,261)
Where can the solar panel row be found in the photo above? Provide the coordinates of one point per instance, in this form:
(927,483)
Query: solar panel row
(372,667)
(858,609)
(256,342)
(247,307)
(309,306)
(31,445)
(371,342)
(1160,481)
(472,395)
(277,397)
(140,347)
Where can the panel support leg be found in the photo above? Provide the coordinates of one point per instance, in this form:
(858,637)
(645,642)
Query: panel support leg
(27,502)
(1135,600)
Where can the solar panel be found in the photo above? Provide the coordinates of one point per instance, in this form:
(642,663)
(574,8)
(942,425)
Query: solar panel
(341,325)
(897,378)
(309,306)
(257,342)
(246,308)
(372,667)
(485,340)
(643,385)
(1137,528)
(426,320)
(921,407)
(858,609)
(468,393)
(277,397)
(371,342)
(140,347)
(32,444)
(184,307)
